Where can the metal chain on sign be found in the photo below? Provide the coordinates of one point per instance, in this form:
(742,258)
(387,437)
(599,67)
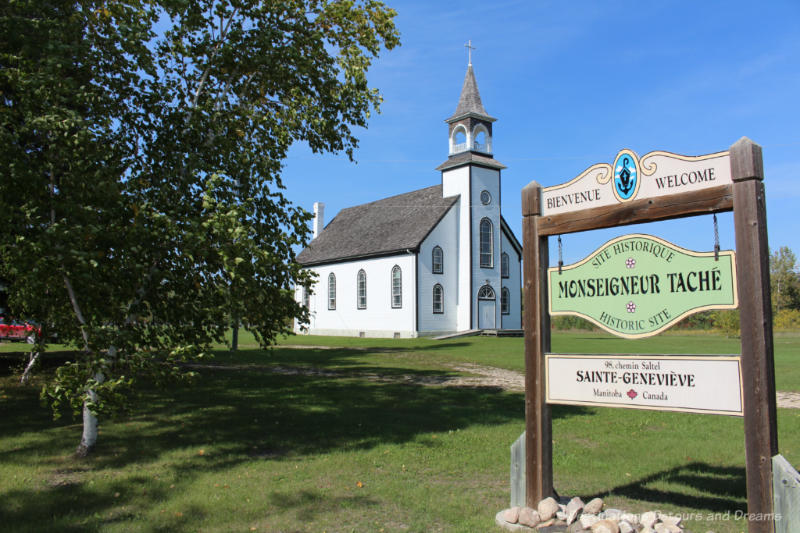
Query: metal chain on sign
(560,259)
(716,239)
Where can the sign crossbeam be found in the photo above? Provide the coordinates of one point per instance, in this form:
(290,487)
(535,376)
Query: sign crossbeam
(713,200)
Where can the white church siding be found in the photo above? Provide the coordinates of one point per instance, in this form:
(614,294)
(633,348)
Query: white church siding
(444,235)
(488,180)
(513,320)
(379,318)
(456,182)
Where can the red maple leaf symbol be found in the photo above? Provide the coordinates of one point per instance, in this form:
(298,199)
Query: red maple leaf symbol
(632,394)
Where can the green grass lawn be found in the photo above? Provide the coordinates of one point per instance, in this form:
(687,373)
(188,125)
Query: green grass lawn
(352,446)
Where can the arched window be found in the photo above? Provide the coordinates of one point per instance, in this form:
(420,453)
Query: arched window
(458,140)
(479,142)
(487,243)
(505,301)
(438,299)
(504,265)
(306,299)
(397,287)
(486,293)
(437,260)
(362,289)
(331,291)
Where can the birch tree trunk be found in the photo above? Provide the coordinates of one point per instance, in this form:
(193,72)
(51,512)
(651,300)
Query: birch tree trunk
(90,424)
(26,375)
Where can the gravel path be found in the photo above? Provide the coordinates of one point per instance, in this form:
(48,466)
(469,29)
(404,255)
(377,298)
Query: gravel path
(515,381)
(484,376)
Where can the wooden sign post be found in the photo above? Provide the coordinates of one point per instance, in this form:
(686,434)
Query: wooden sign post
(755,312)
(660,186)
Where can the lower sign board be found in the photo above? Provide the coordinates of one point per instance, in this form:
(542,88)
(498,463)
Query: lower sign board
(694,384)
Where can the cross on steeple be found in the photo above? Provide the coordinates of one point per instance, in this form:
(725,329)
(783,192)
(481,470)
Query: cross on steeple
(469,48)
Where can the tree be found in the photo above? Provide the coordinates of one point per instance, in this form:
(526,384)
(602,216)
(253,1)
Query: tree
(784,280)
(141,202)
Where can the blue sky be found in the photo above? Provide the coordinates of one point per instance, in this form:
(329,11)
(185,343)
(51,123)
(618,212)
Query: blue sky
(571,84)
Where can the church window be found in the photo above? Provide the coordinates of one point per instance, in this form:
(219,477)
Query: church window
(362,289)
(331,291)
(306,299)
(505,301)
(438,299)
(486,197)
(459,140)
(397,287)
(504,265)
(480,141)
(486,293)
(438,260)
(487,243)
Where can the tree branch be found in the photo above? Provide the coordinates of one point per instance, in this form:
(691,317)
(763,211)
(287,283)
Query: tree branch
(222,35)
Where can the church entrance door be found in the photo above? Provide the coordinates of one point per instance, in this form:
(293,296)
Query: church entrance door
(486,308)
(486,314)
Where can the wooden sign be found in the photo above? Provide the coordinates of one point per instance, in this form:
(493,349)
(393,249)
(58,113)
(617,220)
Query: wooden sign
(693,384)
(659,186)
(628,178)
(638,285)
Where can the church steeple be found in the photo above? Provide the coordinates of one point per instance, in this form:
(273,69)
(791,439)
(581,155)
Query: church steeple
(470,127)
(469,103)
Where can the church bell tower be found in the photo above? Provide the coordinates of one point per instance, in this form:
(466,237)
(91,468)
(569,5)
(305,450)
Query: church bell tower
(471,173)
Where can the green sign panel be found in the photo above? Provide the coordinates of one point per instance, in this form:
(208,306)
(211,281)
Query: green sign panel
(638,285)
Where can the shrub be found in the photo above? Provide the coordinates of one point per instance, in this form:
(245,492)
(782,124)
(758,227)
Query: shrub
(567,322)
(727,322)
(787,320)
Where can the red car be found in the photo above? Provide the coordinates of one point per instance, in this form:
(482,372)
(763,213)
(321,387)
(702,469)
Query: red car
(14,330)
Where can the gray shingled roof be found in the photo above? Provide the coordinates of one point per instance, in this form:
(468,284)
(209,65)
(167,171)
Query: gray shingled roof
(393,224)
(470,100)
(464,158)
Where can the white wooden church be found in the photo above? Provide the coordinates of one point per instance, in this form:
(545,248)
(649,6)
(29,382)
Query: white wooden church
(434,261)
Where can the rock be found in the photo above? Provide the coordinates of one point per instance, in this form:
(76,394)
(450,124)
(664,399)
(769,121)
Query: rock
(588,520)
(626,527)
(632,519)
(575,527)
(561,515)
(511,515)
(574,508)
(661,527)
(546,523)
(671,520)
(593,507)
(611,514)
(605,526)
(547,509)
(529,517)
(648,519)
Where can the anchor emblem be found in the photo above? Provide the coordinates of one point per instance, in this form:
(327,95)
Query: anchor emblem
(626,175)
